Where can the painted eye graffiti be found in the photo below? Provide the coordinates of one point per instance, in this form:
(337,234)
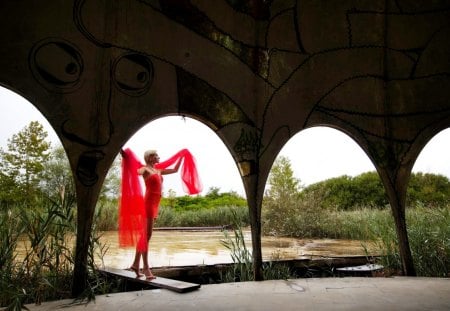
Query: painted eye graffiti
(133,74)
(57,65)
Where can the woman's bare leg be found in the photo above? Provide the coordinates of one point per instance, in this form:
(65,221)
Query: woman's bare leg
(146,268)
(135,265)
(138,254)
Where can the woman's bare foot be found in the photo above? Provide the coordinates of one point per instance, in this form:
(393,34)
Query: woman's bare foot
(148,274)
(136,270)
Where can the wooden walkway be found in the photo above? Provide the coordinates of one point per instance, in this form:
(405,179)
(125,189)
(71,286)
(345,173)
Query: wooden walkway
(159,282)
(213,228)
(366,269)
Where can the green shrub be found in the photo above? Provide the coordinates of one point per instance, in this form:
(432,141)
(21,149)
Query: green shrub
(219,216)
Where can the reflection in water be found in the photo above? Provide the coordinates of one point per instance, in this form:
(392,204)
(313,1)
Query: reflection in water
(185,248)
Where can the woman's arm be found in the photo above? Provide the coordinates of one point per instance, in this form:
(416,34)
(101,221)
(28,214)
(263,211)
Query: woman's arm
(141,170)
(171,170)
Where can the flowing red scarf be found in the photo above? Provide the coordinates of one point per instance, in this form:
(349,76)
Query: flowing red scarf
(132,219)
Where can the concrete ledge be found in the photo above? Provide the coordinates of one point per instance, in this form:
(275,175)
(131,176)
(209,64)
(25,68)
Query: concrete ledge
(349,293)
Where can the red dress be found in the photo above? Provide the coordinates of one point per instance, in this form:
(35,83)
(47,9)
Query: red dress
(153,190)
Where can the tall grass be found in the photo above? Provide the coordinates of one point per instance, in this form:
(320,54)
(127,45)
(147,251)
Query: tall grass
(220,216)
(45,271)
(106,213)
(9,293)
(242,270)
(106,216)
(428,232)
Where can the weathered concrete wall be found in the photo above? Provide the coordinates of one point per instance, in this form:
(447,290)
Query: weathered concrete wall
(256,72)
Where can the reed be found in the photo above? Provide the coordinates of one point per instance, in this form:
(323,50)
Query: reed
(45,271)
(242,269)
(220,216)
(428,232)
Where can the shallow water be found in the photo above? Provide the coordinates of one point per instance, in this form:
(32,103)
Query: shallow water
(170,248)
(184,248)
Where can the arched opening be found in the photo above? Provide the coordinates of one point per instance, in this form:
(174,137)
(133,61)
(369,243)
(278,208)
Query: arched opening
(428,208)
(316,204)
(434,156)
(221,183)
(170,134)
(17,112)
(321,153)
(32,146)
(37,203)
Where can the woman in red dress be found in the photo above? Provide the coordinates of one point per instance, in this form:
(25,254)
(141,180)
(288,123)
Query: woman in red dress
(137,213)
(153,191)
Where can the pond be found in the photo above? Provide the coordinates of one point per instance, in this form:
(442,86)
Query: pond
(184,248)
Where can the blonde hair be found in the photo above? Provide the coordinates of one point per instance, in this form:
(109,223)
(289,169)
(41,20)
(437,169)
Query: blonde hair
(148,154)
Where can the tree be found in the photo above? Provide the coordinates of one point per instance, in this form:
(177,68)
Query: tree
(213,192)
(281,199)
(366,190)
(59,183)
(111,184)
(282,183)
(23,164)
(348,193)
(429,189)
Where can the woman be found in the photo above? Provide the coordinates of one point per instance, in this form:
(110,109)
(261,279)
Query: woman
(137,214)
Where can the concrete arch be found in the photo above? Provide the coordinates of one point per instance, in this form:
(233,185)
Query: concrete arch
(169,133)
(99,70)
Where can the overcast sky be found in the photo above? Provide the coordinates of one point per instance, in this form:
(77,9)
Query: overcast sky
(316,154)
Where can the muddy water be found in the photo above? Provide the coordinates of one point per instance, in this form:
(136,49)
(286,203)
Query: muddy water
(182,248)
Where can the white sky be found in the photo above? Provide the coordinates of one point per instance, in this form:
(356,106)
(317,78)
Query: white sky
(316,154)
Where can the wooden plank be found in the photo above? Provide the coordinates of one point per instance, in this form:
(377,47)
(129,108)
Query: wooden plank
(213,228)
(362,268)
(160,282)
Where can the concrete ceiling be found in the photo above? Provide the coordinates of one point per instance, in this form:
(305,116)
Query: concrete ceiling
(256,72)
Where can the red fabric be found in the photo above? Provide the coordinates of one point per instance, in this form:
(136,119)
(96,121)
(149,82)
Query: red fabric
(132,218)
(189,176)
(132,206)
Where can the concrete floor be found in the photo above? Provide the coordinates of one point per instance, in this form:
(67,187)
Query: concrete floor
(348,293)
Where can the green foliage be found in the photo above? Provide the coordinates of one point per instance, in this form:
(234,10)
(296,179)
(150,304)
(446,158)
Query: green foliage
(23,164)
(354,208)
(106,215)
(189,211)
(347,193)
(111,184)
(429,235)
(44,271)
(242,268)
(282,198)
(431,190)
(303,217)
(219,216)
(106,209)
(211,200)
(283,186)
(428,232)
(58,183)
